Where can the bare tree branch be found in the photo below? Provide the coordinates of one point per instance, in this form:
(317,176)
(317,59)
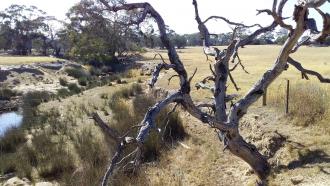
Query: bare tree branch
(108,130)
(306,71)
(233,81)
(170,78)
(157,70)
(326,26)
(230,22)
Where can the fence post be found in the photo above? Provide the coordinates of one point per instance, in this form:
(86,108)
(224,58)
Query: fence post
(287,96)
(264,98)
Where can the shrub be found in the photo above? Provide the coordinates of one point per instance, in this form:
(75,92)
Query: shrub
(35,98)
(128,92)
(11,140)
(6,94)
(76,72)
(54,159)
(63,82)
(63,93)
(137,89)
(31,100)
(119,81)
(308,103)
(93,154)
(7,163)
(132,73)
(94,71)
(74,88)
(82,81)
(114,77)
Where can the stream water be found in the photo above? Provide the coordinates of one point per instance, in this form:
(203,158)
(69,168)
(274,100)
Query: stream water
(9,120)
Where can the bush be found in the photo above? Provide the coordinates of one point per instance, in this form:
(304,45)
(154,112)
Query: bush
(76,72)
(63,82)
(6,94)
(7,164)
(94,71)
(33,99)
(11,140)
(128,92)
(63,93)
(82,81)
(132,73)
(74,88)
(93,154)
(114,77)
(137,89)
(119,81)
(54,159)
(308,104)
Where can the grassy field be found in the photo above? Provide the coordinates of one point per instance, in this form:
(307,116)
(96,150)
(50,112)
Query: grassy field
(20,60)
(257,59)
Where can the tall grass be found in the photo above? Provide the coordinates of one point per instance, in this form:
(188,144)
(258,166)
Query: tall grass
(48,152)
(11,140)
(308,102)
(93,154)
(127,113)
(79,157)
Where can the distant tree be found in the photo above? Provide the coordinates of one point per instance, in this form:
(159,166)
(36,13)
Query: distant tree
(281,36)
(20,25)
(225,38)
(94,36)
(193,39)
(264,39)
(179,41)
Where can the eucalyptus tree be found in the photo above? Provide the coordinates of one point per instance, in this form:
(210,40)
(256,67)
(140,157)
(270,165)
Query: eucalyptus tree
(20,25)
(96,34)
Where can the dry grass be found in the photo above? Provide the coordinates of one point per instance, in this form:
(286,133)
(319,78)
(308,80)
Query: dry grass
(20,60)
(257,59)
(308,103)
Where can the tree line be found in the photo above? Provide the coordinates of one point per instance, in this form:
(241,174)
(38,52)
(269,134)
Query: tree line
(94,35)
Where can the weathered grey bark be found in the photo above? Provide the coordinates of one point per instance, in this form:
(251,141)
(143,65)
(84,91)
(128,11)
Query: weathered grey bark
(226,120)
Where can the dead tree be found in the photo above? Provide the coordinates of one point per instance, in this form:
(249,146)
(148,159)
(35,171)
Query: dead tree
(226,119)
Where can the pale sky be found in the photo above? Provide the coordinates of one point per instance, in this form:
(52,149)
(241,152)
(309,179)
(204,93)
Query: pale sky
(179,14)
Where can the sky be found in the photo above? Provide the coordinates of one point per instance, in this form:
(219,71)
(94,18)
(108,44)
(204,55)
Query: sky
(179,14)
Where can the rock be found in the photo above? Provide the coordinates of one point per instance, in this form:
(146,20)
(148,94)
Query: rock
(248,172)
(45,184)
(15,181)
(297,179)
(256,117)
(26,180)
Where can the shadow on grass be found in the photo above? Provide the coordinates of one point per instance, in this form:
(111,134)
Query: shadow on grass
(310,157)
